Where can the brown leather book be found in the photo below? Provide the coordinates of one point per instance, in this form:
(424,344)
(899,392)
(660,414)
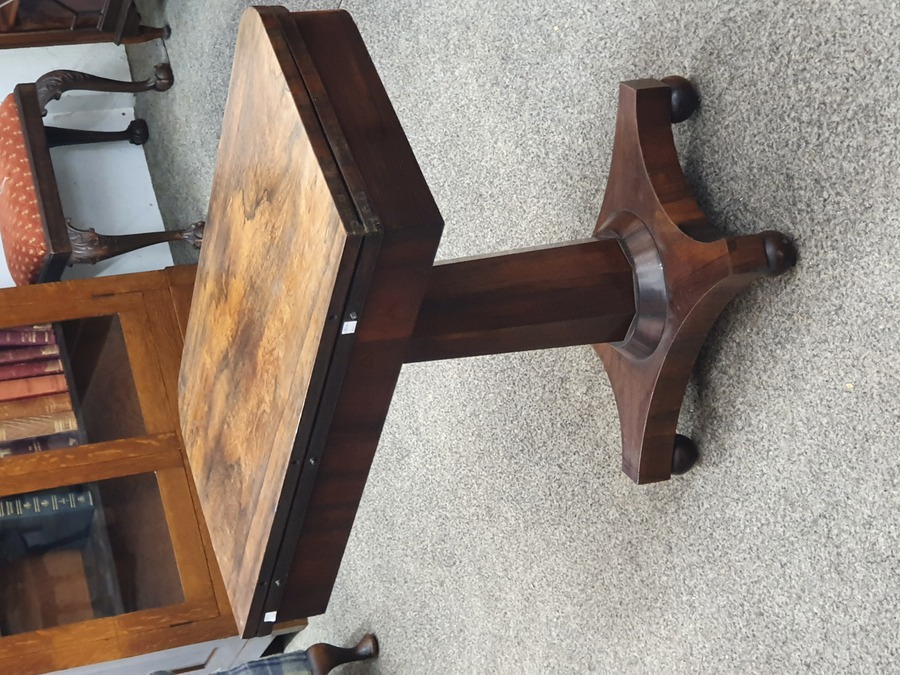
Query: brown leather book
(26,336)
(24,354)
(31,407)
(11,390)
(15,371)
(68,439)
(39,425)
(33,326)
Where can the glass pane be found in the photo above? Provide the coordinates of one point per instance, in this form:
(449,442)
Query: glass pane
(84,551)
(101,381)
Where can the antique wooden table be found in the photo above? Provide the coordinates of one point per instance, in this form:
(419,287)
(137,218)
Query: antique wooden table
(316,283)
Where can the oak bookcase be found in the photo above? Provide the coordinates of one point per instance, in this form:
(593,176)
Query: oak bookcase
(145,592)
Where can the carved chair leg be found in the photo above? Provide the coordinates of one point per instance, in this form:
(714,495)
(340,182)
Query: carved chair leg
(146,33)
(137,133)
(52,85)
(323,657)
(88,246)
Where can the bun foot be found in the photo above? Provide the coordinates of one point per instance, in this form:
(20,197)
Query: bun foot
(684,455)
(685,99)
(781,253)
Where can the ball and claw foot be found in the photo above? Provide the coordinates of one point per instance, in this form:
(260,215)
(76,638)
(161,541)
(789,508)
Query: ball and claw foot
(139,132)
(684,455)
(685,99)
(163,78)
(194,234)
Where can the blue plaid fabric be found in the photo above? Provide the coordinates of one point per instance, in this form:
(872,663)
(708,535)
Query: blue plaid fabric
(292,663)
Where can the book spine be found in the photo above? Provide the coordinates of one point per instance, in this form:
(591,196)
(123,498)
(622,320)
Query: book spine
(32,327)
(31,407)
(30,369)
(46,502)
(10,390)
(11,337)
(40,425)
(25,446)
(37,522)
(25,354)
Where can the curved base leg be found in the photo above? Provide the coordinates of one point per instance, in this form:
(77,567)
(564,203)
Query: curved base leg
(137,133)
(51,86)
(89,246)
(323,657)
(686,272)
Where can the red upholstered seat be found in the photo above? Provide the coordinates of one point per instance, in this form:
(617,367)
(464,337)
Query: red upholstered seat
(21,229)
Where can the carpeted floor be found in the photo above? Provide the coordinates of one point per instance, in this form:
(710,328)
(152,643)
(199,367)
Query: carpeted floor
(497,533)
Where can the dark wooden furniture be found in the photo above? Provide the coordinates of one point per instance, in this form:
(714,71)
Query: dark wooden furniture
(40,23)
(39,241)
(316,284)
(123,337)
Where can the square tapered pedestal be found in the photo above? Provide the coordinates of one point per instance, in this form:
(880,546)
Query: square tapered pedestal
(320,238)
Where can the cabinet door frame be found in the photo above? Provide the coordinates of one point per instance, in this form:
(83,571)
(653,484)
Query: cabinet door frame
(143,305)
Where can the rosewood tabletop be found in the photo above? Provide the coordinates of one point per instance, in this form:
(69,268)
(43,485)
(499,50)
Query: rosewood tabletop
(321,234)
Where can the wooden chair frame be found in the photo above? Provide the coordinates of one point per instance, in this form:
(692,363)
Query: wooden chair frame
(67,244)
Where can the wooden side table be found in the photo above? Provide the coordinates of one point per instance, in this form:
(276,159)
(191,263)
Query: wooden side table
(316,283)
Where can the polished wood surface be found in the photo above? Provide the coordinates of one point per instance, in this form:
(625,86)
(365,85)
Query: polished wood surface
(686,271)
(553,296)
(276,245)
(314,265)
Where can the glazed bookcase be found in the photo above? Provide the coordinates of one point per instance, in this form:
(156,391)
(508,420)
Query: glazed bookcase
(144,585)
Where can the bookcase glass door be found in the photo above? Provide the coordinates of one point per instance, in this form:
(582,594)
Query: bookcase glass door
(85,551)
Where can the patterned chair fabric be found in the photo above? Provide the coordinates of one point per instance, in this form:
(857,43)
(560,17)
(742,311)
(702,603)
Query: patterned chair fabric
(21,228)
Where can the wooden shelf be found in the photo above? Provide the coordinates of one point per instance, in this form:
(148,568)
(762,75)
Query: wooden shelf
(40,23)
(145,583)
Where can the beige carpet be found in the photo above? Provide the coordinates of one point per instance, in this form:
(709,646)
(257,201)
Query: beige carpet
(497,534)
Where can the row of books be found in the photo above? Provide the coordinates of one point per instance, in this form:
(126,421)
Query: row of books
(36,411)
(42,534)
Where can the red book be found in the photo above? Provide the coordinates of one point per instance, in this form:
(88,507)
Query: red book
(26,336)
(30,369)
(23,354)
(67,439)
(10,390)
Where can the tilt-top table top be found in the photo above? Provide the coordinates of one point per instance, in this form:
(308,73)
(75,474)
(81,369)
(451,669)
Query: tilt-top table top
(320,237)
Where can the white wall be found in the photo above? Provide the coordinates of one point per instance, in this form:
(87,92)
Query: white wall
(104,186)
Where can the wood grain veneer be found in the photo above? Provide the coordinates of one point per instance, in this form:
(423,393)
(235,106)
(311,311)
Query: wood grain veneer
(319,217)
